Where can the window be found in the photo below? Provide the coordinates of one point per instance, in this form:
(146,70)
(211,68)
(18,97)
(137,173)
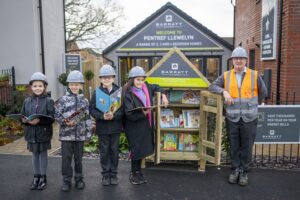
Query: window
(212,71)
(198,63)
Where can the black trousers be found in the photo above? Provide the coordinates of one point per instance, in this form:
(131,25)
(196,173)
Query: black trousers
(109,153)
(70,149)
(241,139)
(136,165)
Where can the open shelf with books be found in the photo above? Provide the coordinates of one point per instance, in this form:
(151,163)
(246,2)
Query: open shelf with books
(182,131)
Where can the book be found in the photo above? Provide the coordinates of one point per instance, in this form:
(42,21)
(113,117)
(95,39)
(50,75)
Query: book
(191,118)
(142,108)
(191,142)
(167,118)
(161,142)
(76,116)
(18,117)
(191,97)
(181,142)
(170,142)
(108,103)
(175,96)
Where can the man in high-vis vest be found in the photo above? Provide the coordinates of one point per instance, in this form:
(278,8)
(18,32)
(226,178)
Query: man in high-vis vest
(242,89)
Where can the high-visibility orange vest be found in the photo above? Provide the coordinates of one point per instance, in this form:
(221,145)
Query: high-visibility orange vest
(245,98)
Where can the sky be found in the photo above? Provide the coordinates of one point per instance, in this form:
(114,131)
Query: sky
(216,15)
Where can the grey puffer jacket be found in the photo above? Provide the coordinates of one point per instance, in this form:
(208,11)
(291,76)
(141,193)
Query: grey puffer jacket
(42,104)
(65,107)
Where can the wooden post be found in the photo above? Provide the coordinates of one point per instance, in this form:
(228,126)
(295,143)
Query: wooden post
(157,155)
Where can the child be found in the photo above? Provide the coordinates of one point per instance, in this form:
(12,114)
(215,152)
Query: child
(38,132)
(71,112)
(108,128)
(139,125)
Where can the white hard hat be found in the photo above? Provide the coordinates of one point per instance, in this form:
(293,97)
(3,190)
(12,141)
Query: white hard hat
(136,72)
(107,70)
(38,76)
(75,77)
(239,52)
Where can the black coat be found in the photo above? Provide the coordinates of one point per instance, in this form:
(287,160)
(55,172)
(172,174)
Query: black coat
(106,126)
(139,133)
(42,132)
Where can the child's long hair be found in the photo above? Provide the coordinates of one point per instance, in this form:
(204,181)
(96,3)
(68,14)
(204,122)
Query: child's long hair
(126,87)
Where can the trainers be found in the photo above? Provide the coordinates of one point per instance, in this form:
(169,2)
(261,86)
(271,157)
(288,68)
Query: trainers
(79,184)
(106,180)
(234,176)
(66,187)
(114,179)
(243,180)
(141,177)
(35,182)
(134,179)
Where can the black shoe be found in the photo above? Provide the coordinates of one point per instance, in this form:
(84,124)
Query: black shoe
(234,176)
(79,184)
(243,180)
(42,183)
(114,179)
(106,180)
(134,179)
(141,177)
(66,187)
(35,182)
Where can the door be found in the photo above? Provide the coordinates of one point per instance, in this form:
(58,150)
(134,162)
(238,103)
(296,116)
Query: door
(211,121)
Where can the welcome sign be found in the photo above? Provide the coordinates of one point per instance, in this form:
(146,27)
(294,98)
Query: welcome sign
(167,31)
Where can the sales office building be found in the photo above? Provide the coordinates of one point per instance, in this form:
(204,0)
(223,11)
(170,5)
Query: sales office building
(169,27)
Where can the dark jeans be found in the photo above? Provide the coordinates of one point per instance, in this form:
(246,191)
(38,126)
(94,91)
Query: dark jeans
(109,153)
(136,165)
(241,139)
(70,149)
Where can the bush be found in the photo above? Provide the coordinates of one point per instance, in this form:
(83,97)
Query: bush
(93,145)
(62,79)
(4,109)
(88,75)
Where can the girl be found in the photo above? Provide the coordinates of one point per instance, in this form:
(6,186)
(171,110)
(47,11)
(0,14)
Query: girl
(139,124)
(38,132)
(108,128)
(71,112)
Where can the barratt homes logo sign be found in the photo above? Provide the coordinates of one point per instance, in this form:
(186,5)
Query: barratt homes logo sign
(175,70)
(167,31)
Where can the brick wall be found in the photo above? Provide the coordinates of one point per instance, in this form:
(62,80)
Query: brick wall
(248,34)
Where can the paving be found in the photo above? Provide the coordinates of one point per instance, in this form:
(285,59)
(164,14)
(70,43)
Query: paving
(165,181)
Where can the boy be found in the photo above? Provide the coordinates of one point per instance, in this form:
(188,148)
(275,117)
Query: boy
(108,128)
(71,113)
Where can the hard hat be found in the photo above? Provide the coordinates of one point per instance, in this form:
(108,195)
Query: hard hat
(38,76)
(136,71)
(239,52)
(75,77)
(107,70)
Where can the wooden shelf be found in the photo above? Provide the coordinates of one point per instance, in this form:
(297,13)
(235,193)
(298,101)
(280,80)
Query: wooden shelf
(180,129)
(183,105)
(179,155)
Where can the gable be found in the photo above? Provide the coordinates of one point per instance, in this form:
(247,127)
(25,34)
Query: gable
(166,31)
(175,70)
